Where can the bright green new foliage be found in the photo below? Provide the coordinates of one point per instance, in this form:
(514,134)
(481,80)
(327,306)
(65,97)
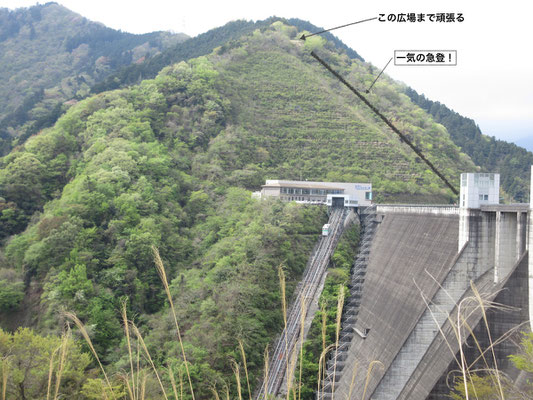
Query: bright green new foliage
(171,163)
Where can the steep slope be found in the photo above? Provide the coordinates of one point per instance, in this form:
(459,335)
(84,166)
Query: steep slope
(166,164)
(50,54)
(224,36)
(295,121)
(491,154)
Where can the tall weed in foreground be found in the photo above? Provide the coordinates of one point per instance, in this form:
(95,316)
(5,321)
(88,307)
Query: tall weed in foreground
(476,381)
(340,305)
(71,316)
(4,364)
(163,275)
(134,381)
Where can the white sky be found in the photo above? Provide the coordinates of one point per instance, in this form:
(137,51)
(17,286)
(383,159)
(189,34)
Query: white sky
(492,83)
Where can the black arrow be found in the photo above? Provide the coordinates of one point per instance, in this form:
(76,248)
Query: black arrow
(375,80)
(394,129)
(303,37)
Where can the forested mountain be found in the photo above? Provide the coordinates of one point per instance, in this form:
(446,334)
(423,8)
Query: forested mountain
(225,37)
(49,54)
(169,163)
(511,161)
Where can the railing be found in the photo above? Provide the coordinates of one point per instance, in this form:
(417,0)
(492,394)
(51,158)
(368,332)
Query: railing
(335,365)
(285,345)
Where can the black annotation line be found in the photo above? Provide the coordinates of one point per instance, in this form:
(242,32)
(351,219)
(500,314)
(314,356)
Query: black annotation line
(375,80)
(394,129)
(303,37)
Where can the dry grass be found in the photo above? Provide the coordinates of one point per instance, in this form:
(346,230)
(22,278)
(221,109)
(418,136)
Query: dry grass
(281,275)
(369,374)
(467,308)
(5,374)
(163,275)
(352,383)
(302,331)
(85,335)
(340,305)
(135,380)
(267,364)
(322,368)
(236,372)
(51,372)
(149,357)
(173,383)
(124,314)
(62,360)
(243,355)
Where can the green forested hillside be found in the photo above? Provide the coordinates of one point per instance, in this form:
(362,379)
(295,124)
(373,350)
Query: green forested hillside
(511,161)
(49,55)
(225,37)
(169,163)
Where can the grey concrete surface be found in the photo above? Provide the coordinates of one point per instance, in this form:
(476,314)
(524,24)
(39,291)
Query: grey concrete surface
(411,254)
(414,281)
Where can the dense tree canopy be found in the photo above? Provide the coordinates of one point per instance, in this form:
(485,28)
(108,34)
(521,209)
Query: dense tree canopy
(170,163)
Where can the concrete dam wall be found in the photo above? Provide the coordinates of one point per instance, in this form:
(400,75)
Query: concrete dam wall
(421,264)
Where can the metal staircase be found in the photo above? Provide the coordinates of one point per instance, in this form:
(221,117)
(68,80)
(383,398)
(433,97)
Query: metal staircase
(336,364)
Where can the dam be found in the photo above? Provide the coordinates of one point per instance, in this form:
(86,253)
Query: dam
(428,270)
(421,291)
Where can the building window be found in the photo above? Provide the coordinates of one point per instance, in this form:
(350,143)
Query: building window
(485,197)
(481,197)
(368,196)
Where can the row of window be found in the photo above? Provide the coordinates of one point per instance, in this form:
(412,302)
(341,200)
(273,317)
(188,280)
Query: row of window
(480,180)
(301,198)
(321,192)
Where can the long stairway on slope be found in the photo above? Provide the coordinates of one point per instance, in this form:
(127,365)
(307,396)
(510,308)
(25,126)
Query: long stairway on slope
(307,289)
(336,364)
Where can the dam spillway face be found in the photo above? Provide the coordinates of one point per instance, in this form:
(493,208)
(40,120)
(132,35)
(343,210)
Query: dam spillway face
(407,280)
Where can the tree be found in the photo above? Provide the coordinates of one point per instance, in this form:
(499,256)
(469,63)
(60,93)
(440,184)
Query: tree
(26,361)
(11,289)
(524,360)
(70,289)
(486,387)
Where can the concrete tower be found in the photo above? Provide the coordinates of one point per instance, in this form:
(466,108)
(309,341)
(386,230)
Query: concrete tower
(476,190)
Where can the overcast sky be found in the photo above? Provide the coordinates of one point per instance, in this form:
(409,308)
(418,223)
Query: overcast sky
(492,82)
